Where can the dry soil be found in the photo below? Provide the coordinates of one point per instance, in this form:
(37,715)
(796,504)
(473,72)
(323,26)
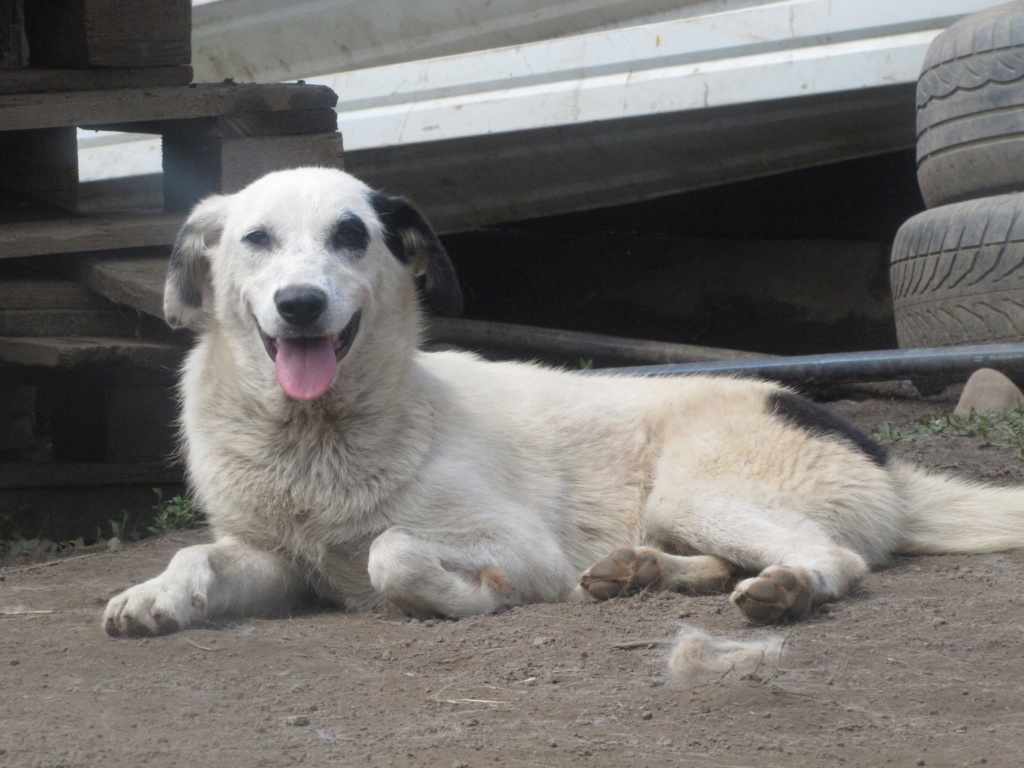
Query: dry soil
(923,668)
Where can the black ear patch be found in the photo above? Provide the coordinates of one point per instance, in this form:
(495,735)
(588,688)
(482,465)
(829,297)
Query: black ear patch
(412,240)
(188,270)
(182,271)
(805,414)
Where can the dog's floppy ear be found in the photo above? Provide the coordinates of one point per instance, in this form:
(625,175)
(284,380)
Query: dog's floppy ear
(188,269)
(412,240)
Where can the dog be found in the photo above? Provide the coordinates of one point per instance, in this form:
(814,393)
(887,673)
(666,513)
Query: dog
(336,459)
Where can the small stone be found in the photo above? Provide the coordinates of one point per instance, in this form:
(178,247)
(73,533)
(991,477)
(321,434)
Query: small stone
(646,715)
(541,640)
(938,621)
(988,390)
(114,544)
(296,720)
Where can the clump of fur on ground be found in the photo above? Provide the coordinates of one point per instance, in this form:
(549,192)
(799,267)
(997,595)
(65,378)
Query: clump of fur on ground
(698,657)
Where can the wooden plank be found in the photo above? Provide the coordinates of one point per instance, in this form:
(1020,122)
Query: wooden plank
(134,105)
(18,415)
(128,194)
(140,423)
(88,352)
(89,420)
(282,123)
(12,28)
(48,294)
(44,80)
(88,233)
(109,33)
(66,322)
(41,164)
(121,33)
(525,340)
(197,167)
(136,280)
(75,420)
(245,160)
(60,475)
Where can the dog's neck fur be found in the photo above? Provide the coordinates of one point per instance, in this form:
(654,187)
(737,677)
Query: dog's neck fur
(380,397)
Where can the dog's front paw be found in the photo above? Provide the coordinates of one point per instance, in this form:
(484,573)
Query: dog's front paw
(153,608)
(622,572)
(776,594)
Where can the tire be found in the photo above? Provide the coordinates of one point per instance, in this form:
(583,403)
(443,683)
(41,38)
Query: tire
(957,274)
(970,108)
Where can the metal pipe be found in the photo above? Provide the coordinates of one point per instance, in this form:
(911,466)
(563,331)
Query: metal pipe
(884,365)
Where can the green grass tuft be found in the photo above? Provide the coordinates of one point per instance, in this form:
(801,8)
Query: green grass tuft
(173,514)
(1003,429)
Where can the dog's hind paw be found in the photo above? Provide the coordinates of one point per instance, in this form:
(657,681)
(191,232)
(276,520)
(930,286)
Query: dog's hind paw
(624,571)
(777,594)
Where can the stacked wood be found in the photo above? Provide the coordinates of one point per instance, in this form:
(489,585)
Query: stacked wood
(12,35)
(62,45)
(81,339)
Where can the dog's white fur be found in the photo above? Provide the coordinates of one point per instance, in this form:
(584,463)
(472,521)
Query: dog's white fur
(446,485)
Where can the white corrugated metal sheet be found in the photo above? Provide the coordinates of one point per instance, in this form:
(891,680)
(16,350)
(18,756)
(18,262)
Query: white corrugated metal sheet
(623,112)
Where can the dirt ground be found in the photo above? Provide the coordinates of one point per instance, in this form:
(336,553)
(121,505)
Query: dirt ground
(924,668)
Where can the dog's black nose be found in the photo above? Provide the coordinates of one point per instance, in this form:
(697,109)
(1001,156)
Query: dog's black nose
(300,305)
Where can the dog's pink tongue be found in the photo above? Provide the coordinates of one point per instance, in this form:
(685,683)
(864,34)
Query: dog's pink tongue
(306,367)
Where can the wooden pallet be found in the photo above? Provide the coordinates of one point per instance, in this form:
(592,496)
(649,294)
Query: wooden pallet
(79,292)
(80,234)
(82,351)
(89,353)
(248,110)
(19,474)
(216,138)
(50,45)
(107,383)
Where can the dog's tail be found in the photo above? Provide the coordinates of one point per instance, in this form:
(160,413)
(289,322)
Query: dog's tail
(949,515)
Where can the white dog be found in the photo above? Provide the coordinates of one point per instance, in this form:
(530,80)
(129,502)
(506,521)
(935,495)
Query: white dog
(333,458)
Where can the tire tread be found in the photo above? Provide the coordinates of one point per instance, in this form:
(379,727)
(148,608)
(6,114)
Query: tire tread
(970,108)
(957,274)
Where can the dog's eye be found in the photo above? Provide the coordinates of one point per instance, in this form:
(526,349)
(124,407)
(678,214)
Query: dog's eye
(258,237)
(350,235)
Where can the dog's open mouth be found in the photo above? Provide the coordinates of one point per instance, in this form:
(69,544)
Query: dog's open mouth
(306,365)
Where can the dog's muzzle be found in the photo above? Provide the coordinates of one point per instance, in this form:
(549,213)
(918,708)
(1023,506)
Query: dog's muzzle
(306,365)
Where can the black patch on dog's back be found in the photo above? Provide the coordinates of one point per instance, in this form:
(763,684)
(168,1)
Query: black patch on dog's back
(804,414)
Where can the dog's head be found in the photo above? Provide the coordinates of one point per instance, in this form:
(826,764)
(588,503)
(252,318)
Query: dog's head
(298,262)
